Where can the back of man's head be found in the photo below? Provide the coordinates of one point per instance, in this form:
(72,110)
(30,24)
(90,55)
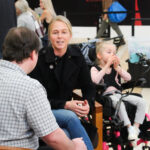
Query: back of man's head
(19,43)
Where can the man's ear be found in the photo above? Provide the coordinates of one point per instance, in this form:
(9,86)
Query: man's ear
(32,54)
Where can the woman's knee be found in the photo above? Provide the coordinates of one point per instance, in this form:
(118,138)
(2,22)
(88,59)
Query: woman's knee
(72,116)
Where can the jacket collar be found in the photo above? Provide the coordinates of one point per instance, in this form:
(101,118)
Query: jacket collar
(50,56)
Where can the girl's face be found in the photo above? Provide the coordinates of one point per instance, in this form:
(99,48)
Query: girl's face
(59,35)
(109,50)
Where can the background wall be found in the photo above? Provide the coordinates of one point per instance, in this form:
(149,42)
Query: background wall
(87,12)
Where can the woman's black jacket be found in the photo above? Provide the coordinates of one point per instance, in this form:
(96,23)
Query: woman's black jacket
(60,76)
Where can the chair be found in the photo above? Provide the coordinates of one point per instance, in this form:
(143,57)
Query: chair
(13,148)
(97,118)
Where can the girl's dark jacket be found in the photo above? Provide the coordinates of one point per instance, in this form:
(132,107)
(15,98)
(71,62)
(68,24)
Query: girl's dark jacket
(60,76)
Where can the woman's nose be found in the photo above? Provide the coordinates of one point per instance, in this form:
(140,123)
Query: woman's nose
(59,34)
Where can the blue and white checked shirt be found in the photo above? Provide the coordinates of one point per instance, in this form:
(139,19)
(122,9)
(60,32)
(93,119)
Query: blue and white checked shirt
(25,112)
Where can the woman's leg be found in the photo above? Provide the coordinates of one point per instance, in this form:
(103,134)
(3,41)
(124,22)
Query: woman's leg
(116,28)
(69,120)
(102,29)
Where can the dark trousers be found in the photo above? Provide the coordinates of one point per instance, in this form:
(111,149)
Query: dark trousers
(104,26)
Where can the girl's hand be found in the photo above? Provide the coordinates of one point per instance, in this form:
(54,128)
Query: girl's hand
(81,108)
(111,60)
(116,62)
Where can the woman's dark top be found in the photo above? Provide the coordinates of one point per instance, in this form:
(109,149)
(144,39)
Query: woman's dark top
(60,76)
(45,24)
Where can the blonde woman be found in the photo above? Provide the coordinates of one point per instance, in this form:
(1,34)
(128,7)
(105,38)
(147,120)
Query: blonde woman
(60,69)
(48,12)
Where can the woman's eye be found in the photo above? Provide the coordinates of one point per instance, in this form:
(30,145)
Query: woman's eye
(64,32)
(55,32)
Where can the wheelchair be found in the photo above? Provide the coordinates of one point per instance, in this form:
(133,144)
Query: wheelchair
(114,133)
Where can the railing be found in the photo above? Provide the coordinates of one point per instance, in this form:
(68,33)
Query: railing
(133,26)
(132,20)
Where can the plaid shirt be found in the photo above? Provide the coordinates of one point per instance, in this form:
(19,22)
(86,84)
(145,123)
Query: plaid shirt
(25,112)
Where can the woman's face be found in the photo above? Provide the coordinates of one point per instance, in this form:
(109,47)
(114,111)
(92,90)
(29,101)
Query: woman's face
(59,36)
(41,5)
(18,12)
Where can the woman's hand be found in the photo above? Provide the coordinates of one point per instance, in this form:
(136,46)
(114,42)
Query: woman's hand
(105,17)
(81,108)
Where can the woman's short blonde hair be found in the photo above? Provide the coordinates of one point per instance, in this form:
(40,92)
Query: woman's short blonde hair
(22,5)
(62,19)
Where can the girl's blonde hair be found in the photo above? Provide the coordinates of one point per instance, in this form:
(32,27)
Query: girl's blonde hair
(48,5)
(100,46)
(62,19)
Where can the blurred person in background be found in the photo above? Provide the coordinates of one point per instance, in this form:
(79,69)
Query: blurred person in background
(26,17)
(48,12)
(106,22)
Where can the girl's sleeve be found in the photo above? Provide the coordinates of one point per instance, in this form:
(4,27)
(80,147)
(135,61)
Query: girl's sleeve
(96,75)
(124,75)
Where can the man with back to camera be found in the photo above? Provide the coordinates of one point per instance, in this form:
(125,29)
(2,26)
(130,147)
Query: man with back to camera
(25,112)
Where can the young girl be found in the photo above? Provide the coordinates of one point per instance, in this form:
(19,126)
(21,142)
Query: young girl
(108,71)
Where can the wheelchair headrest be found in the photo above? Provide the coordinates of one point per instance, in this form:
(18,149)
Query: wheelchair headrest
(92,54)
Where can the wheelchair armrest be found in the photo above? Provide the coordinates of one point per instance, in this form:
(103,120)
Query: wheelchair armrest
(101,87)
(131,84)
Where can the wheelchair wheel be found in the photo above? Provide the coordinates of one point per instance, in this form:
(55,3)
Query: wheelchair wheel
(128,147)
(119,147)
(145,148)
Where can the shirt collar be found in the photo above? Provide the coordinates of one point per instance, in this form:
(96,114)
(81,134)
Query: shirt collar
(10,65)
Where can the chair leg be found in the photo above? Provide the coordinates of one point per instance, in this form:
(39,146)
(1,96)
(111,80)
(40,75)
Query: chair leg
(98,122)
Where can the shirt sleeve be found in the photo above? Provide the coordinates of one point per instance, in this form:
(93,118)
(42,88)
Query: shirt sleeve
(39,115)
(96,75)
(20,23)
(124,74)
